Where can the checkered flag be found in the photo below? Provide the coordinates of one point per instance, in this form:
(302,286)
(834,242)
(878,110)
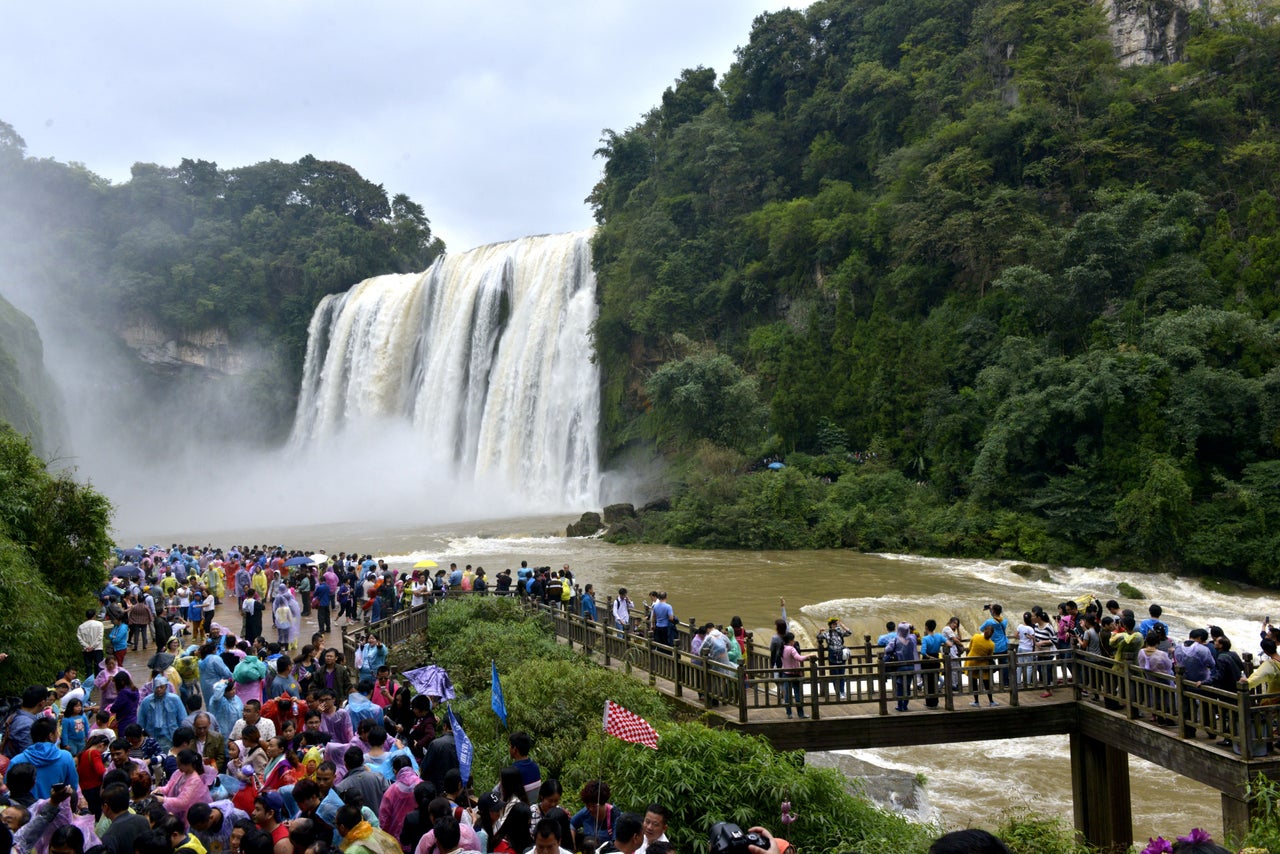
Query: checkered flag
(628,726)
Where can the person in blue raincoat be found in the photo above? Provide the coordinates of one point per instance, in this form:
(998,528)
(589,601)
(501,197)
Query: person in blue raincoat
(161,712)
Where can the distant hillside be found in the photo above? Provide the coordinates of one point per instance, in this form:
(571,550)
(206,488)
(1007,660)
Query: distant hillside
(995,277)
(191,274)
(29,401)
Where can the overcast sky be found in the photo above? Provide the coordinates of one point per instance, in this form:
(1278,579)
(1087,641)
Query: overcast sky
(487,114)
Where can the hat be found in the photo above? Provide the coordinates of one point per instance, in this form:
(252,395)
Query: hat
(831,620)
(273,802)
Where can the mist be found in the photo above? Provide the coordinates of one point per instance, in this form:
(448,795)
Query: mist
(182,448)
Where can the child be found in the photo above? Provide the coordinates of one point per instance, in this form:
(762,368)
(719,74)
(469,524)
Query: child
(102,721)
(75,727)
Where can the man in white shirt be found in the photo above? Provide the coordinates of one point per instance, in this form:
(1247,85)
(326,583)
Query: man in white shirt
(622,611)
(89,633)
(654,825)
(253,715)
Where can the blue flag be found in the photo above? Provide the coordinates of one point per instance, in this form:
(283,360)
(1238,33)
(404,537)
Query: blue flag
(463,746)
(496,701)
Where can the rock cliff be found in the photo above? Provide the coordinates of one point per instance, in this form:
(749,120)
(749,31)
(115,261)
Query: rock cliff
(29,399)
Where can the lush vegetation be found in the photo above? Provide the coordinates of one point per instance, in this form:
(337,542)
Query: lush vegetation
(248,251)
(984,290)
(53,541)
(29,402)
(558,697)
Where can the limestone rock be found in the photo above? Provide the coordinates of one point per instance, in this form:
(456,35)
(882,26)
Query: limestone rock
(589,525)
(617,512)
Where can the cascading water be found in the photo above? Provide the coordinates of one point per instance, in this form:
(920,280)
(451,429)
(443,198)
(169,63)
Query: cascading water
(487,355)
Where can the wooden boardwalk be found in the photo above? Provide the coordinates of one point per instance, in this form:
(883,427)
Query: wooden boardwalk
(1108,710)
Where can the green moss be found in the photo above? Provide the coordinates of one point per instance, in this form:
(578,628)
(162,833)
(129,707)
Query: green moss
(1219,585)
(1128,591)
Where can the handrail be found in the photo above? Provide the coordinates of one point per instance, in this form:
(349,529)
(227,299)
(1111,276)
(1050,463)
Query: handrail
(1247,719)
(865,679)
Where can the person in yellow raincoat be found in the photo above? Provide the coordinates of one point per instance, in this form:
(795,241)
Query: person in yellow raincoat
(360,837)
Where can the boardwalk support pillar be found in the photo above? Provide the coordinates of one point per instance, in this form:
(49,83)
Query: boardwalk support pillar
(1236,815)
(1100,791)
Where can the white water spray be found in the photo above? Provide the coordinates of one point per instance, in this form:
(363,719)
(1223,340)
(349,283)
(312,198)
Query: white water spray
(487,355)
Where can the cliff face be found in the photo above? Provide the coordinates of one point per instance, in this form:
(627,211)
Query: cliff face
(29,400)
(1148,32)
(208,350)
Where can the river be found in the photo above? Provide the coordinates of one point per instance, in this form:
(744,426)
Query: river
(973,783)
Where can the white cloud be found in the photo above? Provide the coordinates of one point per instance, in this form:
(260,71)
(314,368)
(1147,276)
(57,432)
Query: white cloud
(486,114)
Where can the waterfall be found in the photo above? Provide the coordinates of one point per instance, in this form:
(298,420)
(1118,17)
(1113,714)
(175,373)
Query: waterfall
(486,356)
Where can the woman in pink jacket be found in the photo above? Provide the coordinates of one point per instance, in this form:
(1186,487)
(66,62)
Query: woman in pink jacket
(189,786)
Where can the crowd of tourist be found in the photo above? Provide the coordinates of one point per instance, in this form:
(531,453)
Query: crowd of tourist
(225,741)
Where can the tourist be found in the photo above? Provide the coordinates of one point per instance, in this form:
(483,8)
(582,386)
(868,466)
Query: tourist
(902,656)
(654,825)
(1046,643)
(662,616)
(979,661)
(932,648)
(598,818)
(622,611)
(792,671)
(833,638)
(999,636)
(1158,669)
(589,603)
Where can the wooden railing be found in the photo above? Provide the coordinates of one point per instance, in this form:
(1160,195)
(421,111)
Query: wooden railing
(1250,720)
(397,628)
(866,679)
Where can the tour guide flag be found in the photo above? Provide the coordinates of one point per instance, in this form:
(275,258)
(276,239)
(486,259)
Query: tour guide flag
(628,726)
(463,746)
(496,701)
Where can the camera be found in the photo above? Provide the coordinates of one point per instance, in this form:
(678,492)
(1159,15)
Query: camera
(986,607)
(728,838)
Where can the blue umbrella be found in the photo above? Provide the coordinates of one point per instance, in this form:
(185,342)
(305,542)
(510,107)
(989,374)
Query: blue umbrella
(132,554)
(300,560)
(127,570)
(776,466)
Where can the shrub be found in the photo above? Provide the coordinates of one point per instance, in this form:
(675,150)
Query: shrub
(707,775)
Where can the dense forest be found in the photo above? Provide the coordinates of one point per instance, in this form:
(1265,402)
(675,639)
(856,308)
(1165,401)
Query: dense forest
(981,289)
(247,251)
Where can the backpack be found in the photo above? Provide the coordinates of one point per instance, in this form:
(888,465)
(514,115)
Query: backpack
(891,652)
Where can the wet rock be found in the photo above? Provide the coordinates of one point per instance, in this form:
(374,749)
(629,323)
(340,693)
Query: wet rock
(899,791)
(1031,573)
(587,526)
(615,513)
(658,505)
(625,531)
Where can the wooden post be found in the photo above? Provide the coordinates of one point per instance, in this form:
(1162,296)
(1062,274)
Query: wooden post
(1184,712)
(1237,815)
(813,687)
(742,694)
(948,664)
(648,648)
(1127,686)
(880,687)
(604,638)
(1244,708)
(706,682)
(1100,794)
(679,683)
(1013,675)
